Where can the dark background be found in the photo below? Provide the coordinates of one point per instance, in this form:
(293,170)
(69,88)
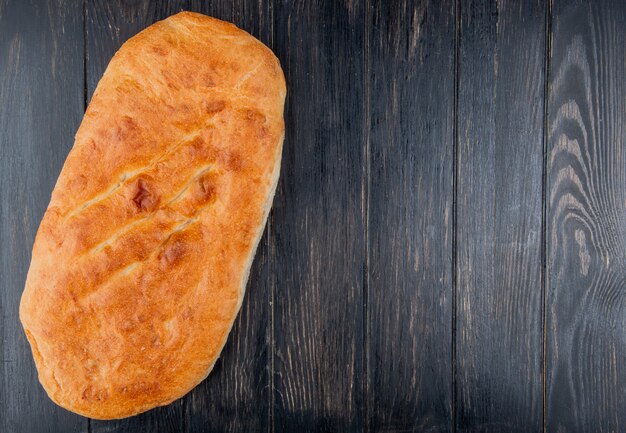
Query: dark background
(447,247)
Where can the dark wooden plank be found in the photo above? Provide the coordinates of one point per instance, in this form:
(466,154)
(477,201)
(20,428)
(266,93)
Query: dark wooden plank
(236,395)
(108,24)
(586,303)
(499,337)
(318,242)
(411,121)
(41,95)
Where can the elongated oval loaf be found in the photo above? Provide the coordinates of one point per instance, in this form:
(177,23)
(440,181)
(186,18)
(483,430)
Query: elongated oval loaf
(141,260)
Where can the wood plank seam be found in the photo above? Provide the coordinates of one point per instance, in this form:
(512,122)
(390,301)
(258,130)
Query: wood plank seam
(272,360)
(365,200)
(544,211)
(271,278)
(455,189)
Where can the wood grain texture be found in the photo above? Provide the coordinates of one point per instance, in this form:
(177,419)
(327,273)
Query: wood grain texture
(108,24)
(318,241)
(409,312)
(236,395)
(586,304)
(41,54)
(499,215)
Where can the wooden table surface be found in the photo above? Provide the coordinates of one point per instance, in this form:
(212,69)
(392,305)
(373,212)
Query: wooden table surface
(447,246)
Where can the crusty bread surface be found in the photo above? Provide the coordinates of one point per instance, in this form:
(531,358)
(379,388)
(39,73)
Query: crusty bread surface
(141,260)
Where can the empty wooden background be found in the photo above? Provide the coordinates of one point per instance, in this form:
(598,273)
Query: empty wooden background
(447,247)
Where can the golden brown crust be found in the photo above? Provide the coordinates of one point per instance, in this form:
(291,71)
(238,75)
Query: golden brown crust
(140,263)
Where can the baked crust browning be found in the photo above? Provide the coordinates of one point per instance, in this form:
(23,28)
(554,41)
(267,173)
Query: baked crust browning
(140,262)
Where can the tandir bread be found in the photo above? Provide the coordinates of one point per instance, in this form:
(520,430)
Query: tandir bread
(141,260)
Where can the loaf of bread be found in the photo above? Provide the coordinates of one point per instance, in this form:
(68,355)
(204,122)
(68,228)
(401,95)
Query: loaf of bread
(141,260)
